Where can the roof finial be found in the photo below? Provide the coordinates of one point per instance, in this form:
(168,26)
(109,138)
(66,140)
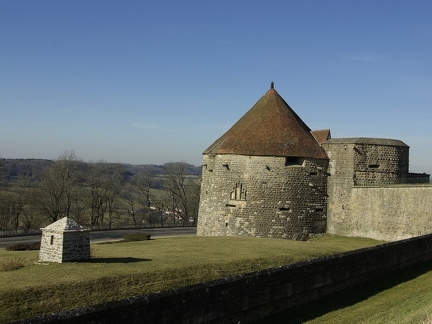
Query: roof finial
(272,85)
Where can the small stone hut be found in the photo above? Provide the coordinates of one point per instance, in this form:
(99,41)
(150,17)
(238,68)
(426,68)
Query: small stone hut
(63,241)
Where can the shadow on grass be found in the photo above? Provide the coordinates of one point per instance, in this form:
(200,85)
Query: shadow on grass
(117,260)
(121,241)
(346,298)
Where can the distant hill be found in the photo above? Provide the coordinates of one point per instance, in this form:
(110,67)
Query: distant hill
(12,168)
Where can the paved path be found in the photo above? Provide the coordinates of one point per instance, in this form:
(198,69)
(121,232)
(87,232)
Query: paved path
(108,235)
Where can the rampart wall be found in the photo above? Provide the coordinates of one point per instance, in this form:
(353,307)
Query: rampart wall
(363,202)
(386,213)
(255,295)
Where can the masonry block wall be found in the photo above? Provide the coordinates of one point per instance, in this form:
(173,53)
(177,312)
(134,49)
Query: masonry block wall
(61,247)
(362,201)
(64,241)
(389,213)
(262,196)
(379,161)
(51,247)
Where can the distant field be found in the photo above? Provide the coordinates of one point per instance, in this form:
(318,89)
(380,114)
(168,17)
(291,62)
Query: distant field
(125,269)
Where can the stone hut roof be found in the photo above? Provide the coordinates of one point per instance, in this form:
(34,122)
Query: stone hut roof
(64,225)
(269,128)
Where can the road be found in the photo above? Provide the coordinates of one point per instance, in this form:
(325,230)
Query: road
(108,235)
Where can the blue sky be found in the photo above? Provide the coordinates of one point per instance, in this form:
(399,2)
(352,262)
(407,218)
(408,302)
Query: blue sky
(159,81)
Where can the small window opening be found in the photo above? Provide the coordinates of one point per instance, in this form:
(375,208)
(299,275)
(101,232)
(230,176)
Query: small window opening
(319,209)
(229,205)
(238,192)
(293,160)
(52,240)
(313,173)
(374,166)
(284,208)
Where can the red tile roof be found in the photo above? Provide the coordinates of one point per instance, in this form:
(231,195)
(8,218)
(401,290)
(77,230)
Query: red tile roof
(321,135)
(269,128)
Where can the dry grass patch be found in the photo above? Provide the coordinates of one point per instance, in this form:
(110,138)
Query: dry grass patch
(11,264)
(122,270)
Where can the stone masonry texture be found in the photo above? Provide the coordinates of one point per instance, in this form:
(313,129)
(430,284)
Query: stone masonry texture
(261,196)
(64,241)
(355,193)
(364,197)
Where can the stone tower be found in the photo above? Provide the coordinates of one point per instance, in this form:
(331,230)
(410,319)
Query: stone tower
(359,168)
(265,177)
(64,241)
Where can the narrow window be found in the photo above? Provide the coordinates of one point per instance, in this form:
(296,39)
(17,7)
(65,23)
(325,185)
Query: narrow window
(229,205)
(374,166)
(284,208)
(238,192)
(52,239)
(293,161)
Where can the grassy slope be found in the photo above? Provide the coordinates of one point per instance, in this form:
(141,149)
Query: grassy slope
(136,268)
(404,297)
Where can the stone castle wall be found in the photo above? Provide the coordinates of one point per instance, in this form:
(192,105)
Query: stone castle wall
(388,213)
(287,197)
(258,196)
(362,201)
(378,164)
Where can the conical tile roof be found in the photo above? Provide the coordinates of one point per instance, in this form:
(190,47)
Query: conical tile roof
(269,128)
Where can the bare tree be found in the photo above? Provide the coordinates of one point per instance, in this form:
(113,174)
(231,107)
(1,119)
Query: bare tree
(104,180)
(1,169)
(184,190)
(18,199)
(143,184)
(162,205)
(139,198)
(15,204)
(131,204)
(58,186)
(79,208)
(12,206)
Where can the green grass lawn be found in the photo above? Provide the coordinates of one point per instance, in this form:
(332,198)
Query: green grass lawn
(404,297)
(135,268)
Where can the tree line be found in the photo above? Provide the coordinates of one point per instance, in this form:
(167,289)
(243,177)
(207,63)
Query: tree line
(35,193)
